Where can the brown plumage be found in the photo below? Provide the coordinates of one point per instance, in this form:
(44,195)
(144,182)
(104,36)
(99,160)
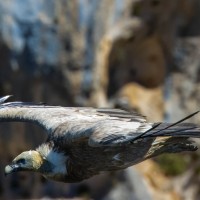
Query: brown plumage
(83,142)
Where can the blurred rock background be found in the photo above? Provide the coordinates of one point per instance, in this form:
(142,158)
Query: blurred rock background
(132,54)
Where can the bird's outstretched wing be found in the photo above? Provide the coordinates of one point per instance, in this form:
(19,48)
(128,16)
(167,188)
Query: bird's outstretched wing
(100,127)
(29,112)
(71,122)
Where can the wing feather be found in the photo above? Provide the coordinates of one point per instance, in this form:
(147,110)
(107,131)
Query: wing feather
(122,114)
(116,132)
(73,123)
(48,117)
(100,127)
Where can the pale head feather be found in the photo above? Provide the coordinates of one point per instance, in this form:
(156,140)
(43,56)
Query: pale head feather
(33,160)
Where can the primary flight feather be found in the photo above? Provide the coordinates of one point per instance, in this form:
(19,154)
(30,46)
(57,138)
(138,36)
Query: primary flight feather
(83,142)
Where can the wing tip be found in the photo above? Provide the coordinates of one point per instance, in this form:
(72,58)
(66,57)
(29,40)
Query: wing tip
(3,99)
(18,103)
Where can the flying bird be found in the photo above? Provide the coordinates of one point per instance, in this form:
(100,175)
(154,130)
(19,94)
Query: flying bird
(83,142)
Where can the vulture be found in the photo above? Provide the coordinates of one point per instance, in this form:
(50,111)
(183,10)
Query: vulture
(83,142)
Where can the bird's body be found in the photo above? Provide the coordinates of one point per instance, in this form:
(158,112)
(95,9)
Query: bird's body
(83,142)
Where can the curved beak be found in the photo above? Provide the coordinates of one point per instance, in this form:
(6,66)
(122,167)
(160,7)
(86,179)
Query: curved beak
(11,168)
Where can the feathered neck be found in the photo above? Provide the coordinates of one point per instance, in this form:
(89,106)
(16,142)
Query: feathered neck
(54,162)
(46,167)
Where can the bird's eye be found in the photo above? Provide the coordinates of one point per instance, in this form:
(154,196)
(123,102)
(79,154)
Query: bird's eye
(21,161)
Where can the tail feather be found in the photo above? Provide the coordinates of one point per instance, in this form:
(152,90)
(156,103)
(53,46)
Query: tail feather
(180,130)
(178,122)
(177,129)
(171,145)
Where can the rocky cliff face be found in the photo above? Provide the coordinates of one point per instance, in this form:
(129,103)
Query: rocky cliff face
(141,54)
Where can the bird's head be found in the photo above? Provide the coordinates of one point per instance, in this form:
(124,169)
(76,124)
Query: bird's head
(26,161)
